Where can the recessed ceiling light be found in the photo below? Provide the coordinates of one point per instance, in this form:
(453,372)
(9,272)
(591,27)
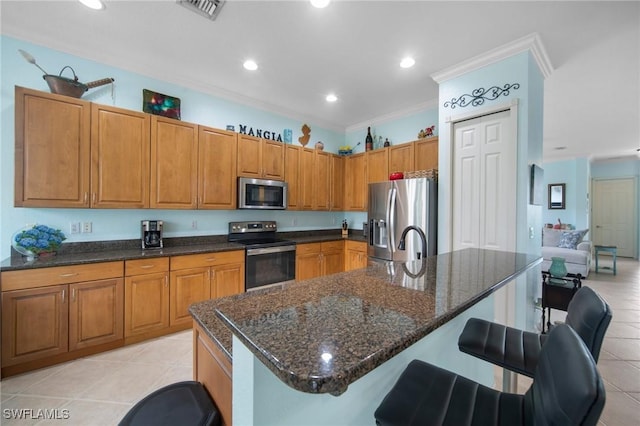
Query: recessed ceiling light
(320,4)
(331,97)
(407,62)
(93,4)
(250,65)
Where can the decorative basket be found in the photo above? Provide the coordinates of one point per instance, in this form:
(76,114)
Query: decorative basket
(429,174)
(345,152)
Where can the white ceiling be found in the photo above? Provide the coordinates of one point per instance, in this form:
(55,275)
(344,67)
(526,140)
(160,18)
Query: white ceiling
(353,48)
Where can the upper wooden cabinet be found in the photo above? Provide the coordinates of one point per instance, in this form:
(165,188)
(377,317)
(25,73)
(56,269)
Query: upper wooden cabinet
(292,156)
(322,181)
(337,183)
(401,158)
(174,164)
(355,178)
(426,153)
(378,165)
(306,179)
(260,158)
(217,154)
(120,156)
(52,150)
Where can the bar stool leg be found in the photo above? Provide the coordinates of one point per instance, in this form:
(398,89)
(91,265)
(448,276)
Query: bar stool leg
(509,381)
(614,253)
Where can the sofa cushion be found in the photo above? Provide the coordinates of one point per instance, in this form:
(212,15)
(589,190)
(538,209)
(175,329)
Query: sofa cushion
(571,239)
(570,256)
(551,237)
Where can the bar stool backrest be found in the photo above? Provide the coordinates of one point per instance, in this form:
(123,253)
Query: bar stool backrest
(589,315)
(566,388)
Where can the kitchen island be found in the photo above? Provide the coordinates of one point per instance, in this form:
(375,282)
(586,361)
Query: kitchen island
(326,350)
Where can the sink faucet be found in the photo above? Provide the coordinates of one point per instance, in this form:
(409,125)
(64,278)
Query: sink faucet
(423,238)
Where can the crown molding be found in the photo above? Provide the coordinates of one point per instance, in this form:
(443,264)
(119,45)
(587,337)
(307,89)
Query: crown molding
(531,42)
(394,115)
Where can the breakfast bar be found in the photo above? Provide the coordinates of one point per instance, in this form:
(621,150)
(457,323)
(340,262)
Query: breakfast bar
(326,350)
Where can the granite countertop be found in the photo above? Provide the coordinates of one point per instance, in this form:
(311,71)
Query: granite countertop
(106,251)
(320,335)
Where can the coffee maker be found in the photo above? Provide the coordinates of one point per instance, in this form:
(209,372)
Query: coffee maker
(151,234)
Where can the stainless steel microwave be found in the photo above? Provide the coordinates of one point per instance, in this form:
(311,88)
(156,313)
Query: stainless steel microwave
(262,194)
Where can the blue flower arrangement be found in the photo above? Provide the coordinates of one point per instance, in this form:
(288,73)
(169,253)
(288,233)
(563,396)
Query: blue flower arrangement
(39,239)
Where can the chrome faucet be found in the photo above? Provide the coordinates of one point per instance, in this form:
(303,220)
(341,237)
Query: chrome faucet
(423,238)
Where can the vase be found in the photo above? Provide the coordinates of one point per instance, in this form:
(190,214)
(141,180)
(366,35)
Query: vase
(557,268)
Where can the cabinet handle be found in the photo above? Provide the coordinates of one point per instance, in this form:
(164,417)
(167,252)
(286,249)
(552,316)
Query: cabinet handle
(211,259)
(166,281)
(63,296)
(73,295)
(212,275)
(86,197)
(94,198)
(147,266)
(67,275)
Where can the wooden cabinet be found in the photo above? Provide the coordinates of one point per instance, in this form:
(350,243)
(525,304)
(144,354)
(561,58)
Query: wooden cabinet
(319,259)
(355,255)
(200,277)
(306,177)
(322,181)
(217,158)
(355,195)
(260,158)
(49,312)
(120,156)
(337,183)
(401,158)
(426,153)
(146,297)
(378,165)
(291,176)
(174,164)
(52,150)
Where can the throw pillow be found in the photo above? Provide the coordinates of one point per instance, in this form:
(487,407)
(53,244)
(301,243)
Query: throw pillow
(571,239)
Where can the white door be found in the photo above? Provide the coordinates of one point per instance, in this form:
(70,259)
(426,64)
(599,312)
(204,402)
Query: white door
(484,183)
(484,193)
(614,215)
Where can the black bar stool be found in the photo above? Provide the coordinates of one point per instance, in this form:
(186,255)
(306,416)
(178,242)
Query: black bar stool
(567,389)
(516,350)
(183,403)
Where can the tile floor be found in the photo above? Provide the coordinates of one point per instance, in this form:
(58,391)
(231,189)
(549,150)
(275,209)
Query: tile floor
(100,389)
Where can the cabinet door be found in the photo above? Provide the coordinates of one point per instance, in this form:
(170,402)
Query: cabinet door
(401,158)
(337,183)
(120,156)
(146,303)
(174,164)
(217,183)
(322,176)
(378,165)
(96,313)
(227,280)
(34,324)
(272,160)
(426,154)
(332,257)
(355,197)
(291,173)
(306,179)
(308,261)
(355,255)
(188,286)
(52,150)
(249,156)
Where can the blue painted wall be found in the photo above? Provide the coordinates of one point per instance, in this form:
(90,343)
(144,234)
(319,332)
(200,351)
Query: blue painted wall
(575,174)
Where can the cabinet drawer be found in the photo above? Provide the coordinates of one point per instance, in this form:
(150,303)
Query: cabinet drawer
(41,277)
(356,246)
(302,249)
(206,259)
(146,266)
(328,246)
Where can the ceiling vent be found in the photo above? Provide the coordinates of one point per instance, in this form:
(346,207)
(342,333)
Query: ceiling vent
(207,8)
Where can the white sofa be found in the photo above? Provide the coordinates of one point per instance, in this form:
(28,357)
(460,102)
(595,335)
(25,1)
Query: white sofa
(577,261)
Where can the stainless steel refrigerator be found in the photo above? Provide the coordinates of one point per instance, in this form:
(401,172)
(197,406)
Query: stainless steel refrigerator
(396,205)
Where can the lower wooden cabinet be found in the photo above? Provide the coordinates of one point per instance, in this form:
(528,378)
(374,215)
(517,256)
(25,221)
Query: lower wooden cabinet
(355,255)
(50,314)
(319,259)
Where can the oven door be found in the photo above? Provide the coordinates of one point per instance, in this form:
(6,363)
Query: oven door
(269,265)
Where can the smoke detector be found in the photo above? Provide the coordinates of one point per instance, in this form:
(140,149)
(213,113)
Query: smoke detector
(207,8)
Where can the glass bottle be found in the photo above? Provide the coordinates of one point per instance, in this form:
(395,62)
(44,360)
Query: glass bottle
(369,140)
(386,142)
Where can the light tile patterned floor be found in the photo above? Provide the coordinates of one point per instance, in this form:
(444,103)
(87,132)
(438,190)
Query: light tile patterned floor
(100,389)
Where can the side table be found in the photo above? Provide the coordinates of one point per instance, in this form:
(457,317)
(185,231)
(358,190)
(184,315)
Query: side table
(557,293)
(609,249)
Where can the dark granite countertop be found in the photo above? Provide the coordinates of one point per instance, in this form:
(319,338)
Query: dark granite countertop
(320,335)
(106,251)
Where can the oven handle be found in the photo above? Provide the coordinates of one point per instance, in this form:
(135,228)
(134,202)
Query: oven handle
(268,250)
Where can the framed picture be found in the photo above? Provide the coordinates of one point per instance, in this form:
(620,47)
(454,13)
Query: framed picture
(536,191)
(160,104)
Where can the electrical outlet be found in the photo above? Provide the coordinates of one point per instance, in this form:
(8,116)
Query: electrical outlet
(294,222)
(74,228)
(87,227)
(194,224)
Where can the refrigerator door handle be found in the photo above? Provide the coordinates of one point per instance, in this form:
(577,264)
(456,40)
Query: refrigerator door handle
(391,220)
